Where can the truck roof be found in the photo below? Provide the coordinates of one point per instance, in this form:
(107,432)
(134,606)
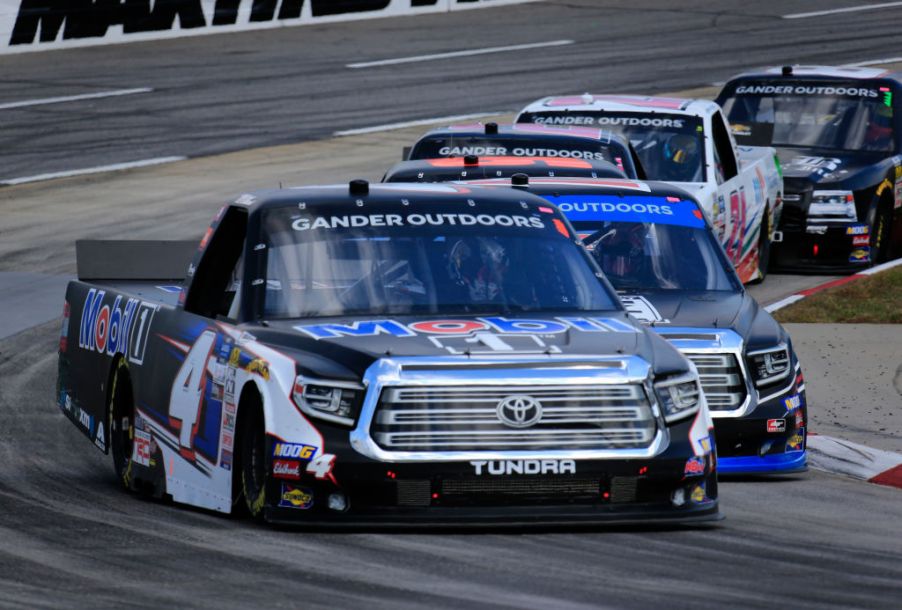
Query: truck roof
(597,186)
(380,193)
(624,103)
(525,129)
(822,73)
(453,168)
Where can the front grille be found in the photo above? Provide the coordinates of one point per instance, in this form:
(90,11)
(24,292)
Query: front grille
(722,380)
(467,418)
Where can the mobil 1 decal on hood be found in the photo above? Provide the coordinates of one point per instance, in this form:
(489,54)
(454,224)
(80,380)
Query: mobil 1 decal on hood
(499,335)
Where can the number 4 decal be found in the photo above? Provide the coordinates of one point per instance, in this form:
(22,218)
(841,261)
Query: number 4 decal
(321,465)
(188,387)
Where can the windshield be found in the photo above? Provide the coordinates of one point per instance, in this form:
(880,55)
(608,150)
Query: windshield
(438,146)
(645,243)
(840,116)
(455,259)
(448,169)
(670,147)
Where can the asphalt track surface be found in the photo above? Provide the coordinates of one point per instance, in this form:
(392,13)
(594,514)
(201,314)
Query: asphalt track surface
(70,538)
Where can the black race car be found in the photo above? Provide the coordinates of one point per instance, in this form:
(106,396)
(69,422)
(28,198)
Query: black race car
(472,167)
(528,140)
(399,354)
(654,245)
(838,133)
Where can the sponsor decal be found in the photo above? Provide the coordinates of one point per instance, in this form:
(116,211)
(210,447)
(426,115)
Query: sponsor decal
(805,90)
(115,328)
(858,230)
(695,466)
(659,210)
(260,367)
(492,343)
(448,327)
(141,449)
(296,497)
(99,437)
(861,255)
(800,419)
(614,121)
(530,467)
(292,450)
(306,223)
(793,402)
(816,229)
(796,441)
(286,469)
(642,309)
(861,240)
(776,426)
(225,460)
(698,494)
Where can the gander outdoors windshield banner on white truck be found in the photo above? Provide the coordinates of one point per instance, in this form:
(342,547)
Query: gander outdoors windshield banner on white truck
(32,25)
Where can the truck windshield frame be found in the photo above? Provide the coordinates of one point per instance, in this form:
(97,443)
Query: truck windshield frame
(671,147)
(447,258)
(841,116)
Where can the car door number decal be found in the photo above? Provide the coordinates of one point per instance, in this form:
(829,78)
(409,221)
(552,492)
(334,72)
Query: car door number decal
(188,387)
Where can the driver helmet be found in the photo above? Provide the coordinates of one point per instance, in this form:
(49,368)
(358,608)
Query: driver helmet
(879,133)
(480,266)
(621,251)
(681,149)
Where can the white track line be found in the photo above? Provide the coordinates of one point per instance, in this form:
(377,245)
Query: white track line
(848,9)
(92,170)
(74,98)
(874,62)
(783,303)
(434,56)
(390,126)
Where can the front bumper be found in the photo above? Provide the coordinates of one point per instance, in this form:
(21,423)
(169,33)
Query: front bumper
(837,248)
(674,486)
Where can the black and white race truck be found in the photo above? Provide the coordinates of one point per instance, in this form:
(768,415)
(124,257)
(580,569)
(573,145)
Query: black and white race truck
(394,354)
(838,132)
(528,140)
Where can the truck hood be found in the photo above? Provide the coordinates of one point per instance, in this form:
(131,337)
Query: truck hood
(346,347)
(703,309)
(834,171)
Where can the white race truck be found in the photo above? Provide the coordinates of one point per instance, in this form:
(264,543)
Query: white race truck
(687,142)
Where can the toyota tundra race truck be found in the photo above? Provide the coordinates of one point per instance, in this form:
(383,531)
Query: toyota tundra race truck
(838,132)
(654,245)
(528,140)
(688,143)
(394,354)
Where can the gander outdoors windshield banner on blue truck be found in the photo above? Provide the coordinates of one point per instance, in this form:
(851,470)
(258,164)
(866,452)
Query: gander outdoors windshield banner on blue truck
(658,210)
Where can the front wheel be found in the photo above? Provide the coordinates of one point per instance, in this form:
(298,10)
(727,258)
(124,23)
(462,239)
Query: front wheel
(764,245)
(122,421)
(880,234)
(253,461)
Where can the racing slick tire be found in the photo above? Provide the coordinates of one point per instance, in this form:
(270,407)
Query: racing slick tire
(764,247)
(252,458)
(880,233)
(122,421)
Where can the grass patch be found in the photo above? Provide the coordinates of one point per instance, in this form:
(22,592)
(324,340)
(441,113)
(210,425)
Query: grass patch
(876,299)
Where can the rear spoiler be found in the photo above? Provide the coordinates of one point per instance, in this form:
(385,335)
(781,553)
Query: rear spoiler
(141,260)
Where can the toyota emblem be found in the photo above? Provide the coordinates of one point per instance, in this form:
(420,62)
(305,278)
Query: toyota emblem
(519,411)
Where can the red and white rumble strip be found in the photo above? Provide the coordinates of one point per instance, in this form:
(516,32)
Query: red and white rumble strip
(832,284)
(857,461)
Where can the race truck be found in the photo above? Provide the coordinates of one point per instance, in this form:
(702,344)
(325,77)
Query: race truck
(654,245)
(394,354)
(838,133)
(528,140)
(471,167)
(688,143)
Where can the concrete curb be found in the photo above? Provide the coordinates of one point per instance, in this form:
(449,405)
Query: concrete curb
(837,456)
(831,284)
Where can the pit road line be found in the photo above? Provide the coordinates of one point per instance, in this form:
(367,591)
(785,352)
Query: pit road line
(92,170)
(74,98)
(435,56)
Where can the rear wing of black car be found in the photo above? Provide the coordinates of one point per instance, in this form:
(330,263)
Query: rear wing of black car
(140,260)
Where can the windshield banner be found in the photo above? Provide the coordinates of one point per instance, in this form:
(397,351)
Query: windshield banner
(652,210)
